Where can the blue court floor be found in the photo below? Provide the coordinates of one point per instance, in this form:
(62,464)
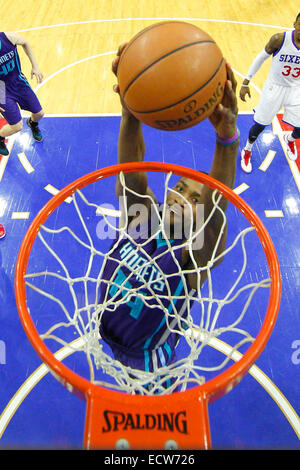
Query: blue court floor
(262,412)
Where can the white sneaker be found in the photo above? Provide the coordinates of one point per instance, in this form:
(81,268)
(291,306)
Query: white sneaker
(246,164)
(291,148)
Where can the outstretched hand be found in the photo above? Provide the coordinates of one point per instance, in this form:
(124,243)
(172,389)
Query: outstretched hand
(224,117)
(114,67)
(115,63)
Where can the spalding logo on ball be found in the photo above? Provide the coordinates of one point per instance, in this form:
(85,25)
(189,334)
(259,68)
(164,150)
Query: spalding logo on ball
(171,75)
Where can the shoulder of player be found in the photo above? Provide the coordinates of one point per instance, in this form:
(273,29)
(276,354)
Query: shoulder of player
(274,43)
(15,38)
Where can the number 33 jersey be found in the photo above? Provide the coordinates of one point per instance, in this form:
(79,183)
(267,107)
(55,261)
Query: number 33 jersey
(285,67)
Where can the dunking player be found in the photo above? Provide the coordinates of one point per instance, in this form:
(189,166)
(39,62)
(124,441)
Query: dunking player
(15,91)
(138,333)
(281,89)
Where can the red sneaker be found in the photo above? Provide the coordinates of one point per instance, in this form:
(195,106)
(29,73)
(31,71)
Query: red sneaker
(291,148)
(2,231)
(246,164)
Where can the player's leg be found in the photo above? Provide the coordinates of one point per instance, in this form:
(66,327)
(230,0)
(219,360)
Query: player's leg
(32,122)
(254,132)
(28,101)
(290,140)
(270,103)
(14,124)
(291,116)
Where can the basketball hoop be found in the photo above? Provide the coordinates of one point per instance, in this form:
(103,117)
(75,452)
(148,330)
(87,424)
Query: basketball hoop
(155,421)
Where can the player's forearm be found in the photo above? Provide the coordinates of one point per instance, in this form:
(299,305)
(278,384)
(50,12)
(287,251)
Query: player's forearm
(256,65)
(224,163)
(227,143)
(30,54)
(224,170)
(131,148)
(131,145)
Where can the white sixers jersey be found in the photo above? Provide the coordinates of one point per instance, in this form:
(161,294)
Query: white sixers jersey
(285,68)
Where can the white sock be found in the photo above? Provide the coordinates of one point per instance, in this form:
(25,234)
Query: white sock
(248,145)
(291,138)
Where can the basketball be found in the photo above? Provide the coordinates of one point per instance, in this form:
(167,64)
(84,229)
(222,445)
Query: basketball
(171,75)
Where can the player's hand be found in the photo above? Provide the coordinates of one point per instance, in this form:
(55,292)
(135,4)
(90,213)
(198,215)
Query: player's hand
(114,67)
(245,90)
(224,117)
(2,110)
(35,72)
(115,64)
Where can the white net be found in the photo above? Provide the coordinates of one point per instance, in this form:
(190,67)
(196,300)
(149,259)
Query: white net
(224,311)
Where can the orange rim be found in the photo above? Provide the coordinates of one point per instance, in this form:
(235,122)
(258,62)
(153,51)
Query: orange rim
(215,387)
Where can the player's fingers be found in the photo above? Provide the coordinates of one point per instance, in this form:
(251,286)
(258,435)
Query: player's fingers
(121,48)
(230,100)
(115,64)
(229,93)
(230,76)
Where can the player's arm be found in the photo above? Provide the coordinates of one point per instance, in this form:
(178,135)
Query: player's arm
(272,46)
(19,40)
(224,121)
(131,148)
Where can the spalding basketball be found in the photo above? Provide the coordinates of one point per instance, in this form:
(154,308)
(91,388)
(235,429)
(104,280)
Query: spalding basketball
(171,75)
